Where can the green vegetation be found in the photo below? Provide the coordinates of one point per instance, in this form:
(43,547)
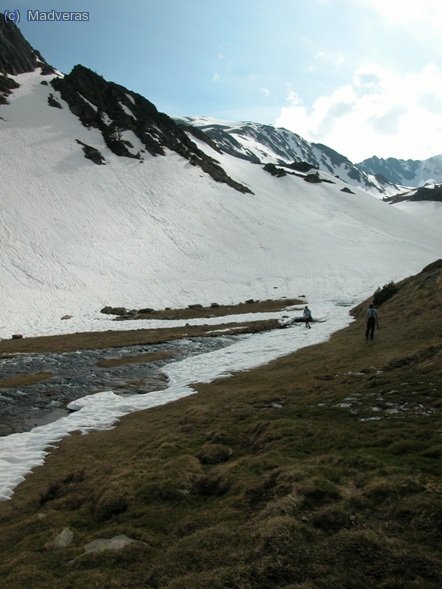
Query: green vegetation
(320,470)
(385,293)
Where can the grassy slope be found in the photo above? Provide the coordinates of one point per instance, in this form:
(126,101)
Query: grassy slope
(321,470)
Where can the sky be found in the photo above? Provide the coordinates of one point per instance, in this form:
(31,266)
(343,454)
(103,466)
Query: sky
(361,76)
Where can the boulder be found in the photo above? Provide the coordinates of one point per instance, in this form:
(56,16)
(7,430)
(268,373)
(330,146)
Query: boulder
(313,178)
(52,101)
(92,153)
(61,540)
(115,544)
(114,310)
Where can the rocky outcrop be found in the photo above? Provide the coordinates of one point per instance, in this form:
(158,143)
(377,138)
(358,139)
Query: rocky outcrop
(114,110)
(432,193)
(16,57)
(92,153)
(259,143)
(108,310)
(274,171)
(16,54)
(6,86)
(52,101)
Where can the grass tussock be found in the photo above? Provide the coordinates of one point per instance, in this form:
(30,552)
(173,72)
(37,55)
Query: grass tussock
(320,470)
(22,380)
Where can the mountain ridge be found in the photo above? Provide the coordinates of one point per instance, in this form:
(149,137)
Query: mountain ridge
(263,143)
(413,173)
(85,225)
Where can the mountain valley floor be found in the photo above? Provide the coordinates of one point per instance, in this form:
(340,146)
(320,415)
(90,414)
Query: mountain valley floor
(320,469)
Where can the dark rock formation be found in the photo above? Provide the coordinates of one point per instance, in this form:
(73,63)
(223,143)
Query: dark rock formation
(114,310)
(16,57)
(16,54)
(313,178)
(52,101)
(113,109)
(6,86)
(433,193)
(274,171)
(302,166)
(92,153)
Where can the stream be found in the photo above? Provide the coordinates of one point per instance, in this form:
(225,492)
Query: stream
(76,374)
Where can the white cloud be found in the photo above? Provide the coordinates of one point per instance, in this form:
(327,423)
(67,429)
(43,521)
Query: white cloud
(419,17)
(378,113)
(265,91)
(216,77)
(327,59)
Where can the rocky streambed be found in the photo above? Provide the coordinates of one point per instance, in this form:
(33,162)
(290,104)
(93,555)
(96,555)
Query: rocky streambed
(70,375)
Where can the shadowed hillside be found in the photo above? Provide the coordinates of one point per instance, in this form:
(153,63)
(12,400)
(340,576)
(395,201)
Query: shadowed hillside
(321,470)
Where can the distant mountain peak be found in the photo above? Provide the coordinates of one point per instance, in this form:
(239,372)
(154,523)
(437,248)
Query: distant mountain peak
(265,144)
(408,172)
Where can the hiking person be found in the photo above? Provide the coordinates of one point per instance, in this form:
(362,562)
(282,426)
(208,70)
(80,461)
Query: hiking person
(307,315)
(371,317)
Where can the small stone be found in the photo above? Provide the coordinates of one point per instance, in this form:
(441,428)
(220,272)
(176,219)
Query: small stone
(62,540)
(102,544)
(17,336)
(65,317)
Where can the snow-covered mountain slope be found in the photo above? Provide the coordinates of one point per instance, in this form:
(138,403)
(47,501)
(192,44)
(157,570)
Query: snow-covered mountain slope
(160,231)
(424,203)
(263,144)
(405,172)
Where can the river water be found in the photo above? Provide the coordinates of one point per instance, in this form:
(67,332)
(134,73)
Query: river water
(76,374)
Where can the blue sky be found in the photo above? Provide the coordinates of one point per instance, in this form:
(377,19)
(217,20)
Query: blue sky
(362,76)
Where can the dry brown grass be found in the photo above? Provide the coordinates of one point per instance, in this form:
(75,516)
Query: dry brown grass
(267,306)
(22,380)
(259,480)
(118,339)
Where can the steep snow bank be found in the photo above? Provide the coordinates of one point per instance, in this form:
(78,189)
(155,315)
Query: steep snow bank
(75,236)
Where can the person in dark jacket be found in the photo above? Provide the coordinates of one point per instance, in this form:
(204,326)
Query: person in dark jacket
(372,321)
(307,315)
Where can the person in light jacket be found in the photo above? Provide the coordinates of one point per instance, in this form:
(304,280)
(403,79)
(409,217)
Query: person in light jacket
(372,321)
